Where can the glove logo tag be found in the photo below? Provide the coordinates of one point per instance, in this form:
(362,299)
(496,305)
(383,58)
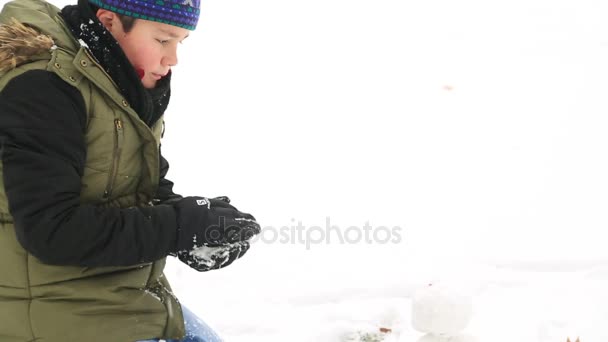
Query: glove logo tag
(203,201)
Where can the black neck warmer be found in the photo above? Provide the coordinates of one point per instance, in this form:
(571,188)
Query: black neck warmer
(149,104)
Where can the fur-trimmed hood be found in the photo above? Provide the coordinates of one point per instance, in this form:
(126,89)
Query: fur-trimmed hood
(26,28)
(19,43)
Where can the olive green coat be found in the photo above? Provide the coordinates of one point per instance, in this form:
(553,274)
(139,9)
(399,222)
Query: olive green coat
(44,303)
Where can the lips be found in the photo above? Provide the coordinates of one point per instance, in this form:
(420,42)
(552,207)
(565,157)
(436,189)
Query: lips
(158,76)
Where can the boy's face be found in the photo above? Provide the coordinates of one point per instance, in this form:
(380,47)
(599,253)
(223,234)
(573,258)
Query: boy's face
(151,47)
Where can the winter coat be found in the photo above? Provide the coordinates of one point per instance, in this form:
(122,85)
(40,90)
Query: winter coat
(82,247)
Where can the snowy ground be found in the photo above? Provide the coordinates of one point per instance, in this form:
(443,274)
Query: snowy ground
(300,297)
(478,127)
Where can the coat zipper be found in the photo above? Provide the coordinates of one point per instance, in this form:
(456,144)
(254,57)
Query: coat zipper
(118,137)
(108,190)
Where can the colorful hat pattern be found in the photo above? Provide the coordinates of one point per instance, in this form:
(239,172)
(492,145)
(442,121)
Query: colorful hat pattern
(180,13)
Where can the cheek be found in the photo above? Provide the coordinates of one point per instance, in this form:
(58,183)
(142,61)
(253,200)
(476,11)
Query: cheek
(143,56)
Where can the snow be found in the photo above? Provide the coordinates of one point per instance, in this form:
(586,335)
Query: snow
(204,254)
(440,309)
(478,128)
(208,256)
(307,297)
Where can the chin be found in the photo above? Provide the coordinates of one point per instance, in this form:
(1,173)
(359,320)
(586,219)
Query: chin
(149,83)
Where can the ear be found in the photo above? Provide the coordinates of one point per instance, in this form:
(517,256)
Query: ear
(107,18)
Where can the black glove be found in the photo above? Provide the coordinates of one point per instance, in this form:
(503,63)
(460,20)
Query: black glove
(211,222)
(206,258)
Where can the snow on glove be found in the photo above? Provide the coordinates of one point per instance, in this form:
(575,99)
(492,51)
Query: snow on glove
(207,258)
(211,222)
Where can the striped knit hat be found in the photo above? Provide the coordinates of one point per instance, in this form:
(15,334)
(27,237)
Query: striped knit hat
(180,13)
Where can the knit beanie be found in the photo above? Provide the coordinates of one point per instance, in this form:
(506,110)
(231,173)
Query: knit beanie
(180,13)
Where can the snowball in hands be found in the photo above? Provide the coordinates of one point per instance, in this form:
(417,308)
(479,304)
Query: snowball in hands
(208,256)
(438,310)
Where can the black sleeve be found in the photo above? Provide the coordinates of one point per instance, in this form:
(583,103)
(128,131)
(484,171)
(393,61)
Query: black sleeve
(165,193)
(42,125)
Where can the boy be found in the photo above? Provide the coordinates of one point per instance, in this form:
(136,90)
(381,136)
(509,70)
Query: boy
(86,214)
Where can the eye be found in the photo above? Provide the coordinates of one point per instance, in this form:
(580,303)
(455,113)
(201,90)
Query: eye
(163,42)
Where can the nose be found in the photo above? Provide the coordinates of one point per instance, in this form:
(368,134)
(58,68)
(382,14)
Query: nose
(170,59)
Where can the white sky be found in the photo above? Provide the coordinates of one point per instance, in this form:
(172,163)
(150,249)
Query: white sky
(476,126)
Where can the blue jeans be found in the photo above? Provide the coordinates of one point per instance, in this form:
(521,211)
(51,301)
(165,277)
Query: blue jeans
(196,330)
